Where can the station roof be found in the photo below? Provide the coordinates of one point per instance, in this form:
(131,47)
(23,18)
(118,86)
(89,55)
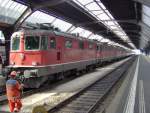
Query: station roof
(118,20)
(134,18)
(127,13)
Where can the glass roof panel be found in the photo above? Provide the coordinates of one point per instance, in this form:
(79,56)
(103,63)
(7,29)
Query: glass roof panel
(40,17)
(146,20)
(105,40)
(97,37)
(86,1)
(10,11)
(146,10)
(100,37)
(146,15)
(114,28)
(77,30)
(85,33)
(124,36)
(93,6)
(102,6)
(110,23)
(62,25)
(93,36)
(103,16)
(119,32)
(71,29)
(99,11)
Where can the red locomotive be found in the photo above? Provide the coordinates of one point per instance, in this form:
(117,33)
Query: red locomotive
(44,54)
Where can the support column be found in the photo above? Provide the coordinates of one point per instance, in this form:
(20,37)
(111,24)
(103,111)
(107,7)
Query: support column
(7,34)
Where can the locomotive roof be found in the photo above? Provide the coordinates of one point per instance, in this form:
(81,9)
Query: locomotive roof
(58,33)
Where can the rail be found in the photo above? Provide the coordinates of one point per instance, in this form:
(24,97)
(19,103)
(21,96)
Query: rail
(87,99)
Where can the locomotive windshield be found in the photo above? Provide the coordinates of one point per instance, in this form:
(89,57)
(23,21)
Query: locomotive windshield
(32,42)
(15,43)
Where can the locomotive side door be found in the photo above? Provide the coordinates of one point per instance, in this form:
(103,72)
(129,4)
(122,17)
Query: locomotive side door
(59,49)
(58,55)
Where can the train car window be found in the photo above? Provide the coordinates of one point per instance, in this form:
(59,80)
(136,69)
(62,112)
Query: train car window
(90,46)
(44,42)
(53,43)
(81,45)
(97,47)
(15,43)
(68,44)
(32,42)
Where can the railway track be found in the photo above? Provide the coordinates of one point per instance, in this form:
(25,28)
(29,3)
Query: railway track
(3,98)
(87,100)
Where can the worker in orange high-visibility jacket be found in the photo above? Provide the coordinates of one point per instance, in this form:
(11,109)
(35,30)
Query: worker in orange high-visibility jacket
(13,90)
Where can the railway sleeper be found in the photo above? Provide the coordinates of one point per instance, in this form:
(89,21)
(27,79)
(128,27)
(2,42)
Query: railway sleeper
(85,100)
(99,85)
(95,92)
(71,111)
(85,106)
(89,97)
(82,103)
(96,89)
(91,94)
(75,108)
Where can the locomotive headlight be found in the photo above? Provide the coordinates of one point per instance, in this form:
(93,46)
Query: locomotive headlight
(12,63)
(34,63)
(22,56)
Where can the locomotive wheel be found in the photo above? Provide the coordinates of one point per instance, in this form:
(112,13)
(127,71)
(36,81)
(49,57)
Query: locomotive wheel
(39,109)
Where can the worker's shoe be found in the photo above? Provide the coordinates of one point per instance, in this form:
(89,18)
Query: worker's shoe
(16,110)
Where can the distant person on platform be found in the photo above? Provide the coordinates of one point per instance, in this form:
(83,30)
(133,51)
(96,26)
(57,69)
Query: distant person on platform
(13,90)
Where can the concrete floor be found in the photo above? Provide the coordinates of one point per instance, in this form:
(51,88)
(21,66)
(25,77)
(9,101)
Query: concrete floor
(119,101)
(60,93)
(142,100)
(134,94)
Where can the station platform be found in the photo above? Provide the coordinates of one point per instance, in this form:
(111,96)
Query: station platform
(62,91)
(134,95)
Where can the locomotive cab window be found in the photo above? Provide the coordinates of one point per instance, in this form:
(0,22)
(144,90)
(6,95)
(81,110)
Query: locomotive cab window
(53,43)
(90,46)
(68,44)
(15,43)
(32,42)
(44,42)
